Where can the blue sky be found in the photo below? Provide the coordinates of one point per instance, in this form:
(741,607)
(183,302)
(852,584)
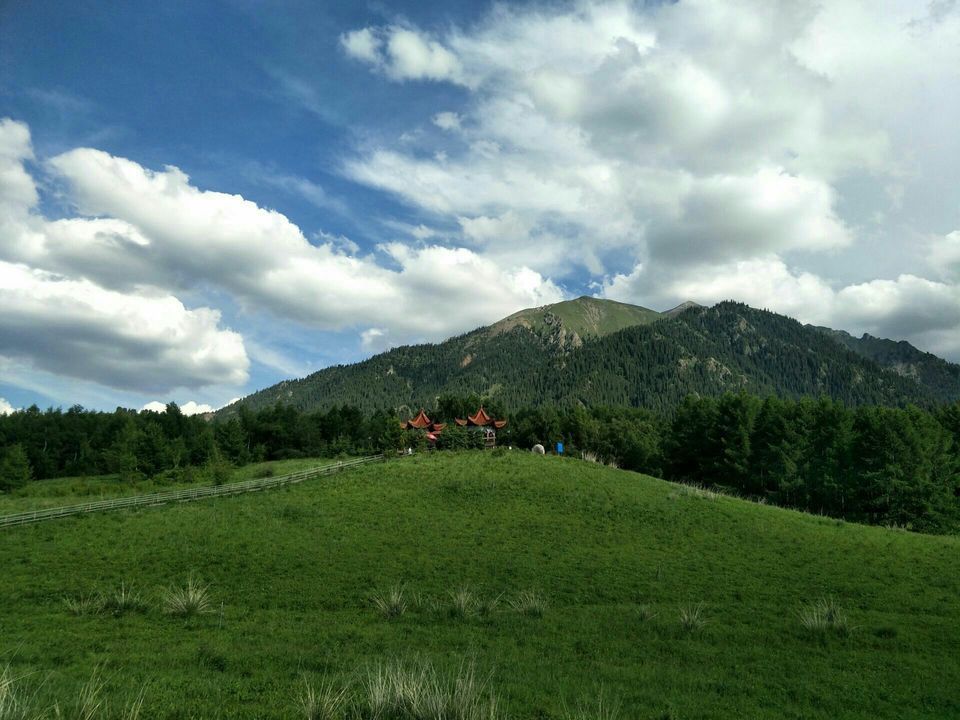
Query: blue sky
(410,171)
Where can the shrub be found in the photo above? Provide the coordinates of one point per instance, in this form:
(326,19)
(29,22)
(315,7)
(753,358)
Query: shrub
(692,618)
(824,616)
(391,603)
(530,603)
(187,601)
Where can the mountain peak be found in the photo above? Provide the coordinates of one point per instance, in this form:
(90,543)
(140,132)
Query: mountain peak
(571,321)
(673,312)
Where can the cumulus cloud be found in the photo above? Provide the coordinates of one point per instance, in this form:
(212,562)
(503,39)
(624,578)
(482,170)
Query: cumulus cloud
(403,54)
(188,408)
(59,318)
(192,236)
(6,408)
(132,341)
(700,150)
(945,254)
(613,129)
(96,296)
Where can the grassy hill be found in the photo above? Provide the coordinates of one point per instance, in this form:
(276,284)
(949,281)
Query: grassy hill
(617,555)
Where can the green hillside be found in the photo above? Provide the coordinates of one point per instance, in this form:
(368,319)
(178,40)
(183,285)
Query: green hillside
(598,352)
(618,557)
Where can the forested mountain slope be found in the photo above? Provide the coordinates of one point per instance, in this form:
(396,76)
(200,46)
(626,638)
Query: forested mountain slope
(936,374)
(590,351)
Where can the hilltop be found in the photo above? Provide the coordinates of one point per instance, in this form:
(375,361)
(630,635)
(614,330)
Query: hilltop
(616,555)
(591,351)
(568,324)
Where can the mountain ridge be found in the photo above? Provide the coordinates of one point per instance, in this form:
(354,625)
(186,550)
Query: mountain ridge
(592,351)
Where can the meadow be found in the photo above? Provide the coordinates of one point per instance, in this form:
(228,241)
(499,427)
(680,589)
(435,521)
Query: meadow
(561,583)
(56,492)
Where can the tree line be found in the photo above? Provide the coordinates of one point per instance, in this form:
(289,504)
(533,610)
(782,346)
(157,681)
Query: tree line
(873,464)
(37,444)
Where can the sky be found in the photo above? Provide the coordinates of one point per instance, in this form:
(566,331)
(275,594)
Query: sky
(198,200)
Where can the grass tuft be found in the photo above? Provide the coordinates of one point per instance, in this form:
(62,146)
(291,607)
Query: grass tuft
(187,601)
(824,616)
(391,603)
(324,702)
(83,605)
(530,603)
(645,613)
(14,705)
(604,709)
(418,692)
(692,618)
(463,603)
(122,600)
(486,607)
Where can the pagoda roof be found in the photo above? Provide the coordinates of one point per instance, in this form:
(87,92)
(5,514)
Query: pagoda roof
(420,422)
(480,419)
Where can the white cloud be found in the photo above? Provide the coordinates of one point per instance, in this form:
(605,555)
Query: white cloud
(132,341)
(6,408)
(188,408)
(403,54)
(362,45)
(447,121)
(702,150)
(945,254)
(265,261)
(95,296)
(60,319)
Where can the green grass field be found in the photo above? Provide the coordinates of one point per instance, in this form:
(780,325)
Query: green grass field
(72,490)
(617,555)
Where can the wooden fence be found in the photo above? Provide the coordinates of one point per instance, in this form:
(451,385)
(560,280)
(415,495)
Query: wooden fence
(185,495)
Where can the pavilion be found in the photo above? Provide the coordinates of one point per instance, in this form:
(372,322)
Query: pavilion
(480,419)
(422,422)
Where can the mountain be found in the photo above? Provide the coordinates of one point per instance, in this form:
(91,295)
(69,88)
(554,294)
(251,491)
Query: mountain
(935,373)
(589,351)
(569,323)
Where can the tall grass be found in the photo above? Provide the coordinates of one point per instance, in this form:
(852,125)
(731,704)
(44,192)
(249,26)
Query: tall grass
(397,691)
(692,618)
(17,703)
(122,600)
(604,709)
(189,600)
(13,704)
(84,605)
(530,603)
(324,702)
(824,616)
(463,603)
(390,603)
